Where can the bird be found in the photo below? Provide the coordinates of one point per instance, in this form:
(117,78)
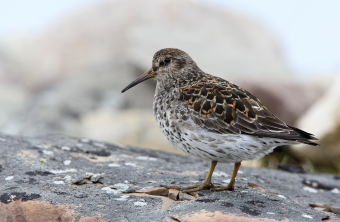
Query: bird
(211,118)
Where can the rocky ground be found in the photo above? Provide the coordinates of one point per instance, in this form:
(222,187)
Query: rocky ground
(61,178)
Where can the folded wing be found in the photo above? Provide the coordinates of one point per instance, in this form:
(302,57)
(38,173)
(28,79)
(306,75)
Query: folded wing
(225,108)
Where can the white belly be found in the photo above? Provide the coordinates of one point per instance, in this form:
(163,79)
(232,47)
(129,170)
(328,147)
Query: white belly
(211,146)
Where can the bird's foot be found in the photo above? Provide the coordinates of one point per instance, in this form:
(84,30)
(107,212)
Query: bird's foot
(197,187)
(221,188)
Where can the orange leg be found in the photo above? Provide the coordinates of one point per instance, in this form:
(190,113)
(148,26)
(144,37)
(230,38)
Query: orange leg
(232,181)
(205,185)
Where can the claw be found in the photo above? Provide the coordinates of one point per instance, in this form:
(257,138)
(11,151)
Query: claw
(221,188)
(191,186)
(205,185)
(197,187)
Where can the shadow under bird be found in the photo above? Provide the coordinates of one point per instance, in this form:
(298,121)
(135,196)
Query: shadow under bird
(211,118)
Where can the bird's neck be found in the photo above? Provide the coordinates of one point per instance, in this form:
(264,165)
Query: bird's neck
(165,85)
(179,80)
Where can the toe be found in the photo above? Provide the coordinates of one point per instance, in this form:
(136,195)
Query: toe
(221,188)
(192,186)
(197,187)
(201,187)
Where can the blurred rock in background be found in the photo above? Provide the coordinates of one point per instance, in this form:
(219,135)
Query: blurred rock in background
(323,119)
(69,77)
(223,42)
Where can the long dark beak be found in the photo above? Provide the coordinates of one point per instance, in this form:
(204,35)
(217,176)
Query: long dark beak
(147,75)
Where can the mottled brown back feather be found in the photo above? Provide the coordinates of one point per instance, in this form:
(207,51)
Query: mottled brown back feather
(225,108)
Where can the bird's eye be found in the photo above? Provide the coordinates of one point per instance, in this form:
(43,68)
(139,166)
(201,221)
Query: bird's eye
(167,60)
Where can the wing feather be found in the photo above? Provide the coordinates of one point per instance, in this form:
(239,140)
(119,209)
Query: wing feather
(225,108)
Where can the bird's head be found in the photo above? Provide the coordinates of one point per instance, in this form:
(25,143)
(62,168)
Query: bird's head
(167,63)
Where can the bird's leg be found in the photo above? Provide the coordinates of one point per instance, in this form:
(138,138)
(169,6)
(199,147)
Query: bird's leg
(206,184)
(232,180)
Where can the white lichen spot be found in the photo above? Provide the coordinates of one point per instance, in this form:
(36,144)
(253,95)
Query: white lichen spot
(146,188)
(335,190)
(66,148)
(240,172)
(96,177)
(130,164)
(140,204)
(307,216)
(68,179)
(116,188)
(108,190)
(84,140)
(244,191)
(226,181)
(281,196)
(9,178)
(99,145)
(270,213)
(310,189)
(2,140)
(146,158)
(113,165)
(123,198)
(47,152)
(67,162)
(59,182)
(63,171)
(41,146)
(42,160)
(120,186)
(126,181)
(88,175)
(220,174)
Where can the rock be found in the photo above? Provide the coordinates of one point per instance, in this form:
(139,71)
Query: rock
(322,207)
(61,107)
(131,127)
(184,196)
(323,120)
(174,194)
(335,210)
(12,100)
(91,37)
(158,191)
(145,189)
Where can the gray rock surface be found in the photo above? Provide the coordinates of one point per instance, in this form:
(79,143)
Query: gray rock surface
(57,177)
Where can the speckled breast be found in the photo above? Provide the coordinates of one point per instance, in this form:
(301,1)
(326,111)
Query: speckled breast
(166,114)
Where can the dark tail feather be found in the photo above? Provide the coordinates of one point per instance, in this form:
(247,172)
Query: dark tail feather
(305,137)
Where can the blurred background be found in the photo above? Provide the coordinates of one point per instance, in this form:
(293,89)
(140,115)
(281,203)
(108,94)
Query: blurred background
(64,63)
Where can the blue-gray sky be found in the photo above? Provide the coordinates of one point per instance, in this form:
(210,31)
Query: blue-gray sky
(309,30)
